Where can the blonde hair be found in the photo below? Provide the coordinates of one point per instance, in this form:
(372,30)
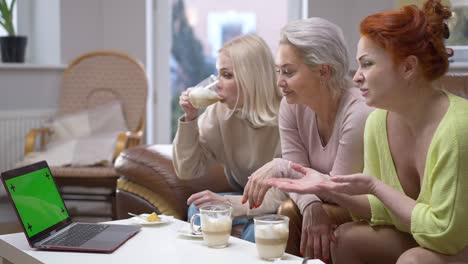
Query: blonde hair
(254,73)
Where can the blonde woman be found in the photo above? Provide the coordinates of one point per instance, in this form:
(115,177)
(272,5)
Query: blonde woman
(240,132)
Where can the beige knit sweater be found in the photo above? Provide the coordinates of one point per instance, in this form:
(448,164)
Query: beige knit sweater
(218,137)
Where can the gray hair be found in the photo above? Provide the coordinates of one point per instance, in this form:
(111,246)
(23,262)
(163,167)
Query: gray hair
(319,41)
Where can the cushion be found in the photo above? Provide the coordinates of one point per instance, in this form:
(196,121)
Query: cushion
(102,119)
(84,138)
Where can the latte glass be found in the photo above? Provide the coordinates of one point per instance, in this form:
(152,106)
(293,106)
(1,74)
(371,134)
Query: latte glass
(271,236)
(216,224)
(204,93)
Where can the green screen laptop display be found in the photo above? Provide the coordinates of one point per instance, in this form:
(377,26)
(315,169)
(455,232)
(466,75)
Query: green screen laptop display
(37,200)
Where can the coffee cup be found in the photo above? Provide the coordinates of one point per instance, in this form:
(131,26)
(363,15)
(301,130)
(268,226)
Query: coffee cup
(216,224)
(204,93)
(271,236)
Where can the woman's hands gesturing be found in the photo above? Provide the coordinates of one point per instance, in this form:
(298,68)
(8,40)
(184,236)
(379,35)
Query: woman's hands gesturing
(354,184)
(257,185)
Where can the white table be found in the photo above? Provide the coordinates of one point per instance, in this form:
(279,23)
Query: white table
(153,244)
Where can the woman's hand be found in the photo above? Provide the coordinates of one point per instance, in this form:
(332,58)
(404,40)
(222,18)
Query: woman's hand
(309,183)
(354,184)
(204,197)
(257,185)
(317,232)
(190,112)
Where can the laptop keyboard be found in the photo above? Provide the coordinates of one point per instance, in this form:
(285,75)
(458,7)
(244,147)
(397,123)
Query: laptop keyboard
(76,235)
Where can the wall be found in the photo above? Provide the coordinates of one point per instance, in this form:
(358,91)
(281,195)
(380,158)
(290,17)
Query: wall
(88,25)
(348,14)
(29,87)
(81,29)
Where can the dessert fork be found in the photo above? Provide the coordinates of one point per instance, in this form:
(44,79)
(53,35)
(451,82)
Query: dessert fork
(136,215)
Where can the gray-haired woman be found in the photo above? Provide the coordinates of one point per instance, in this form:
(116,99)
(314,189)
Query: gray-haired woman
(321,124)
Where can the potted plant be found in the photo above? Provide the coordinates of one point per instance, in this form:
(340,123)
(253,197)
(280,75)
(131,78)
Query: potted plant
(13,47)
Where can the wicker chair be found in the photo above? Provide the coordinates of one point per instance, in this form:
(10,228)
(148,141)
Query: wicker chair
(91,80)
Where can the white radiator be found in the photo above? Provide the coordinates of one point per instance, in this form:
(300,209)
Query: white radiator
(14,126)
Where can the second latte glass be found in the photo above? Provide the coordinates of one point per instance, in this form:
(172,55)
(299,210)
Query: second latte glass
(271,235)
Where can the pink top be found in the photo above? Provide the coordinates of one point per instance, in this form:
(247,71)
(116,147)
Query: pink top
(301,143)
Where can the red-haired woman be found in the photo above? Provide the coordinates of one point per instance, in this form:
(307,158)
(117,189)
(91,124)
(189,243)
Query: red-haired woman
(414,205)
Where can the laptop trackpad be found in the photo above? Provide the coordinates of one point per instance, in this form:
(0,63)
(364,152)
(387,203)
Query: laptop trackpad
(107,239)
(100,244)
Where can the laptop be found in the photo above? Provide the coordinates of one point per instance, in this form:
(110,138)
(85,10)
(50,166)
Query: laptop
(45,218)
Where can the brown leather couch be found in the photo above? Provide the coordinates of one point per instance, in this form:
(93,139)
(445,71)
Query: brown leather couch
(148,181)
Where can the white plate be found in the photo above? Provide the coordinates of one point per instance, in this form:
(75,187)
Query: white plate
(164,219)
(187,232)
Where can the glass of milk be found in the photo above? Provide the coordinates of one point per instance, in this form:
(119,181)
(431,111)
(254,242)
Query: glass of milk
(271,236)
(216,224)
(204,93)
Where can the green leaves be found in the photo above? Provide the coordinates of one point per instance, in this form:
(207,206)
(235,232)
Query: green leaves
(6,16)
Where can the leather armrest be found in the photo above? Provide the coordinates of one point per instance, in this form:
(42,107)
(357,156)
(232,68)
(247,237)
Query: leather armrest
(151,167)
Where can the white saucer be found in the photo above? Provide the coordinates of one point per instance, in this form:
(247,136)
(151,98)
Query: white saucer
(187,232)
(164,220)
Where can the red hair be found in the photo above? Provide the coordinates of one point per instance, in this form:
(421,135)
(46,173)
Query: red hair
(412,31)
